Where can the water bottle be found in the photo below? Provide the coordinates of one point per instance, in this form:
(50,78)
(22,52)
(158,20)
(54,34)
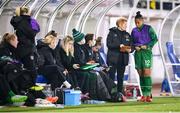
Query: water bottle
(47,91)
(134,93)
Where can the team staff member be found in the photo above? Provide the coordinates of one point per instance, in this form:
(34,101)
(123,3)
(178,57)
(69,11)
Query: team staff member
(119,46)
(26,29)
(9,70)
(144,38)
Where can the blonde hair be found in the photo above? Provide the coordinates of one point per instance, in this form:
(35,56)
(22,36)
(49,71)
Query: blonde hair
(121,20)
(48,39)
(22,10)
(64,43)
(7,37)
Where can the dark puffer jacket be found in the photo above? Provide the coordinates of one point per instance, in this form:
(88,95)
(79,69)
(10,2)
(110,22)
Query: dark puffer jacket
(8,59)
(114,39)
(79,55)
(88,52)
(25,33)
(10,66)
(46,54)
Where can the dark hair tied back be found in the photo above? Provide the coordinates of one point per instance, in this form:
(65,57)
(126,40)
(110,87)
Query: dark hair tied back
(138,15)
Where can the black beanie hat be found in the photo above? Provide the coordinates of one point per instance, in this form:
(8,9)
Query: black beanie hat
(138,15)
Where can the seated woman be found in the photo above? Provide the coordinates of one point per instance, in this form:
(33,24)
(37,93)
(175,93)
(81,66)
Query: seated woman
(8,63)
(98,53)
(47,63)
(93,56)
(62,60)
(89,81)
(66,52)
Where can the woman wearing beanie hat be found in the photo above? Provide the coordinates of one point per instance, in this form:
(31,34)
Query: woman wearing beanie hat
(79,60)
(78,48)
(78,37)
(144,38)
(87,80)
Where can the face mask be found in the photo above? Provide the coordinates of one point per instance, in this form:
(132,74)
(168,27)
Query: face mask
(82,42)
(93,43)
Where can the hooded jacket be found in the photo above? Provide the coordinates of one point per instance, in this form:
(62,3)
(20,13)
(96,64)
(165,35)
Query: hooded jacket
(25,33)
(46,54)
(79,55)
(115,38)
(9,62)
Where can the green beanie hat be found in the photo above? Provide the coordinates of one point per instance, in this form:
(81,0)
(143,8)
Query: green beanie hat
(78,36)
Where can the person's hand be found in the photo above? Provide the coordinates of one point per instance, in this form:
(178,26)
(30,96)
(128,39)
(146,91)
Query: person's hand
(76,66)
(144,47)
(128,50)
(121,45)
(137,48)
(91,62)
(65,72)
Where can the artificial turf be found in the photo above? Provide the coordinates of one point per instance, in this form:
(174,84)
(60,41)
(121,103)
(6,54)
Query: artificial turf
(159,104)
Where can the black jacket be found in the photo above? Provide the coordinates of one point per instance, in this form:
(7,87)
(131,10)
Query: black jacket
(9,62)
(46,54)
(114,39)
(79,55)
(58,55)
(67,61)
(25,33)
(88,52)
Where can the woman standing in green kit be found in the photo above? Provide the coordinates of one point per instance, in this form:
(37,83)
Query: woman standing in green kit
(144,38)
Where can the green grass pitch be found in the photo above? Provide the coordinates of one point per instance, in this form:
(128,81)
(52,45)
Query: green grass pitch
(159,104)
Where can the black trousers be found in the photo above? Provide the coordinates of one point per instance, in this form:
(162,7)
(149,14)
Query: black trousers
(30,65)
(54,75)
(120,75)
(72,78)
(4,87)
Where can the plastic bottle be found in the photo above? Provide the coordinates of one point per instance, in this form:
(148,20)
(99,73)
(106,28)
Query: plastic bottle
(47,91)
(134,93)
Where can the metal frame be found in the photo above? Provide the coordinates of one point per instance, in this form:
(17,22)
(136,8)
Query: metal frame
(82,14)
(33,5)
(99,22)
(160,47)
(66,27)
(26,3)
(53,16)
(2,5)
(36,13)
(173,28)
(82,26)
(131,14)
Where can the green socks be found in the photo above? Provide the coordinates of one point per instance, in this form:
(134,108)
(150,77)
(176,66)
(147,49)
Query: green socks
(147,86)
(142,84)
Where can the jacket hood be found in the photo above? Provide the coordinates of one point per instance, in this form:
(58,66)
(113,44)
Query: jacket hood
(17,19)
(113,29)
(41,44)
